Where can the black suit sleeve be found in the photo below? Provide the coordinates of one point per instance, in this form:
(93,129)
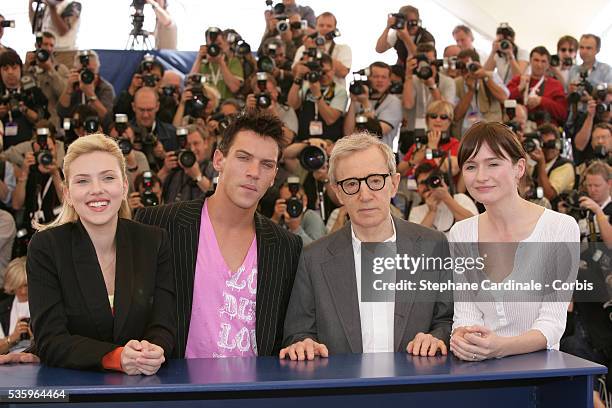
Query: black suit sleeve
(442,319)
(54,344)
(161,329)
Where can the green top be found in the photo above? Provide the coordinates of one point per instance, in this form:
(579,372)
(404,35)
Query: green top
(214,72)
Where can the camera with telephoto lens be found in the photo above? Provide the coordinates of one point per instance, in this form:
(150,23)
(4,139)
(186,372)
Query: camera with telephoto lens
(295,208)
(266,64)
(584,86)
(360,79)
(396,88)
(572,202)
(400,21)
(510,108)
(185,156)
(312,158)
(600,152)
(222,120)
(121,124)
(195,106)
(146,66)
(424,69)
(148,197)
(86,75)
(44,155)
(601,93)
(212,49)
(91,124)
(283,25)
(263,98)
(242,48)
(41,54)
(314,75)
(11,98)
(532,141)
(8,24)
(434,181)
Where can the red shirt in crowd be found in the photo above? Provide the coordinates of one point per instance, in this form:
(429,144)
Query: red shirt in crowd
(553,97)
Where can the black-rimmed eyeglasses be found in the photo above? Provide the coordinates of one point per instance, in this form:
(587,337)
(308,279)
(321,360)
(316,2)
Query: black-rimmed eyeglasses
(375,182)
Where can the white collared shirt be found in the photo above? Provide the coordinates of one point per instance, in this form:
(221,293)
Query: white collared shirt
(376,317)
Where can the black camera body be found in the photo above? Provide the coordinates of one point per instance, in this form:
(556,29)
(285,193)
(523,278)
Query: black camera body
(263,98)
(532,141)
(212,49)
(315,73)
(222,120)
(434,181)
(423,70)
(555,61)
(91,124)
(584,86)
(400,21)
(121,125)
(146,68)
(195,106)
(185,156)
(43,156)
(295,208)
(12,98)
(148,197)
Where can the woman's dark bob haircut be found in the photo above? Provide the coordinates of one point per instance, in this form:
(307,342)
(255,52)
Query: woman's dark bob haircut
(499,137)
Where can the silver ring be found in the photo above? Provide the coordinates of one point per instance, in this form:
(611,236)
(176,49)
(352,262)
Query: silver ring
(473,356)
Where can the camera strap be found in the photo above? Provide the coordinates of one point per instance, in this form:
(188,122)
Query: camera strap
(215,75)
(331,48)
(39,213)
(537,89)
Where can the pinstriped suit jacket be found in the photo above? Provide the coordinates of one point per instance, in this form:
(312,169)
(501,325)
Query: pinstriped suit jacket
(278,253)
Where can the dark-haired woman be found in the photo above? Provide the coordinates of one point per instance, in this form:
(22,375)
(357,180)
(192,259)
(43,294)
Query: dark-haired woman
(489,324)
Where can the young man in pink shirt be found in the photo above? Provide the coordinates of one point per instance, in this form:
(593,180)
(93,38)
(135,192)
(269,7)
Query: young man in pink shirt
(234,268)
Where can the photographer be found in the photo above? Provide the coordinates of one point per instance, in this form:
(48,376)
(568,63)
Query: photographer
(214,59)
(318,100)
(382,110)
(437,141)
(323,40)
(216,123)
(598,72)
(440,210)
(282,71)
(198,102)
(265,96)
(2,47)
(543,95)
(145,106)
(51,77)
(149,73)
(480,93)
(148,192)
(169,95)
(291,210)
(188,176)
(451,52)
(600,148)
(22,103)
(7,186)
(84,121)
(60,17)
(567,48)
(505,56)
(292,35)
(15,331)
(39,189)
(165,27)
(135,161)
(86,87)
(465,40)
(424,84)
(405,25)
(555,174)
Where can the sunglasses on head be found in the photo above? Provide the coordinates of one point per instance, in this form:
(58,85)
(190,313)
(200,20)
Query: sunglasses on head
(435,116)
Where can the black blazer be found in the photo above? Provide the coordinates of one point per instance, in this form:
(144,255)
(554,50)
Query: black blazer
(71,317)
(6,305)
(278,253)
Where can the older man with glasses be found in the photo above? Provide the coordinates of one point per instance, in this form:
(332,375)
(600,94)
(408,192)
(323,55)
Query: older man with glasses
(330,310)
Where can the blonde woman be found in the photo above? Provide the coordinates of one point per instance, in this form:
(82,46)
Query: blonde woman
(101,286)
(15,332)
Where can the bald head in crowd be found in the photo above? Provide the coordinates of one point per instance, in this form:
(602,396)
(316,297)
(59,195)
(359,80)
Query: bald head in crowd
(145,106)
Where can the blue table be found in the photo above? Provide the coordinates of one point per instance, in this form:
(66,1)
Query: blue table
(542,379)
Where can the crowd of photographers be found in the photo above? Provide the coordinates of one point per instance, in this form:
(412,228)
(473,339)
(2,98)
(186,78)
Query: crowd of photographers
(168,126)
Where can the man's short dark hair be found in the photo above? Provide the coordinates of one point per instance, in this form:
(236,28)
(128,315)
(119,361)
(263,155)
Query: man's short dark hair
(424,168)
(328,14)
(473,55)
(467,30)
(540,50)
(10,57)
(548,129)
(48,34)
(380,64)
(422,48)
(596,38)
(326,59)
(83,112)
(257,121)
(567,39)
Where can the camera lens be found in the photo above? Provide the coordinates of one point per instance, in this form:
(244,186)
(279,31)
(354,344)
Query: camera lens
(282,26)
(504,44)
(313,158)
(186,158)
(265,64)
(125,145)
(555,61)
(356,88)
(320,41)
(313,76)
(213,50)
(263,100)
(42,55)
(44,157)
(87,76)
(294,207)
(434,181)
(149,199)
(529,145)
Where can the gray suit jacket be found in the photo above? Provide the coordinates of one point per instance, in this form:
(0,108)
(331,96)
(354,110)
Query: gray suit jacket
(324,305)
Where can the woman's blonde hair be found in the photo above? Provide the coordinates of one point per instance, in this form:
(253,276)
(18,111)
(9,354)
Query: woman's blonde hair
(441,107)
(96,142)
(15,275)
